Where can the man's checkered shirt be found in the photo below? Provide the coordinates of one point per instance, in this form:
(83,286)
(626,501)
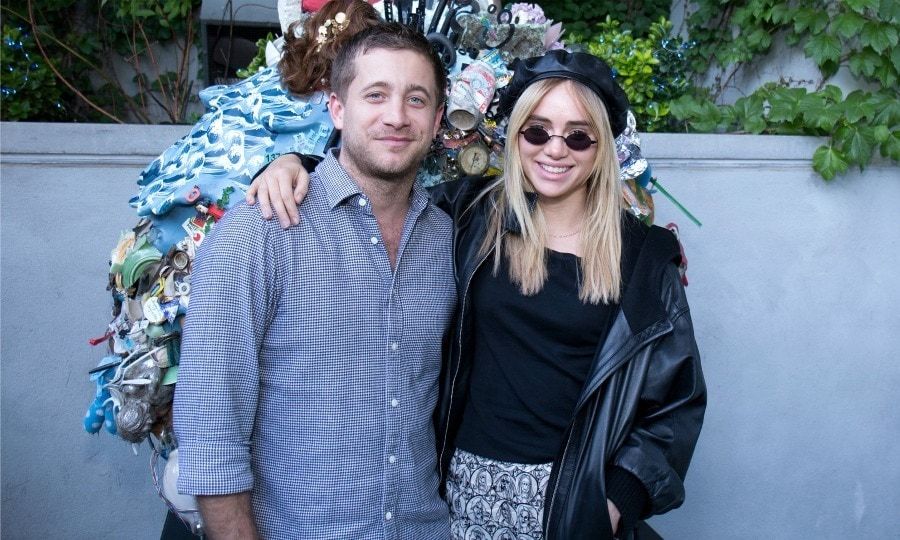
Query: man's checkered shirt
(309,368)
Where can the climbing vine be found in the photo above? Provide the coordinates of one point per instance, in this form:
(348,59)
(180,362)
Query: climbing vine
(581,16)
(860,36)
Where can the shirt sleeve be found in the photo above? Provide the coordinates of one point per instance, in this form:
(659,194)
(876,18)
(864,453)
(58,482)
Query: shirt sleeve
(233,297)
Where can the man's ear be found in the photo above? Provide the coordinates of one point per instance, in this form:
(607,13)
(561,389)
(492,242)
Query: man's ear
(336,110)
(437,121)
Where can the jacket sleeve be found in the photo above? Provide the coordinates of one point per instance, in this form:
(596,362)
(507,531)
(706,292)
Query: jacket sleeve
(456,196)
(671,406)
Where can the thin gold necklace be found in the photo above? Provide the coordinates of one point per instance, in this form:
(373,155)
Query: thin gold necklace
(565,235)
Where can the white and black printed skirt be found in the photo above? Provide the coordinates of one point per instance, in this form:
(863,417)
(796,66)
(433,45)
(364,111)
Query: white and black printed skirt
(495,500)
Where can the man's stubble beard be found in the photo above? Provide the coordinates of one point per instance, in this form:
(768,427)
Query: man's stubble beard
(369,165)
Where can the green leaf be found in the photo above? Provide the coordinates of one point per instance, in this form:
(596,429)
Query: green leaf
(728,117)
(860,6)
(881,134)
(783,104)
(895,58)
(832,93)
(848,24)
(759,39)
(827,118)
(708,119)
(755,125)
(803,19)
(819,113)
(886,74)
(878,36)
(859,105)
(823,48)
(818,22)
(685,107)
(891,147)
(887,110)
(865,62)
(889,11)
(829,162)
(780,13)
(857,142)
(749,113)
(829,68)
(811,106)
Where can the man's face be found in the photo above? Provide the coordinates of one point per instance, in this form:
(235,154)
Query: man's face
(390,115)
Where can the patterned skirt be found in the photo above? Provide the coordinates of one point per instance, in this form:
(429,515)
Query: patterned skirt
(495,500)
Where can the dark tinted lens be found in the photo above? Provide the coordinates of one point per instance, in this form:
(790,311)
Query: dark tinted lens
(536,135)
(579,140)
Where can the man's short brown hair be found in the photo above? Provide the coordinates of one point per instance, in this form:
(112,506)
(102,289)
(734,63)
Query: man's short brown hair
(391,36)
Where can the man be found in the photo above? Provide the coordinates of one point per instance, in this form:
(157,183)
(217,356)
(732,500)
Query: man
(311,355)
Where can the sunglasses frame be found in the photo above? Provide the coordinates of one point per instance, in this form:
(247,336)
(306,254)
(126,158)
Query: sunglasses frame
(532,130)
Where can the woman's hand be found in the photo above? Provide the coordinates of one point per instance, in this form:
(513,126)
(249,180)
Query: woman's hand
(281,187)
(614,515)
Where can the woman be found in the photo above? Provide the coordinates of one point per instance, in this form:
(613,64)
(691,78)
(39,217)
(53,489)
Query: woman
(573,384)
(572,395)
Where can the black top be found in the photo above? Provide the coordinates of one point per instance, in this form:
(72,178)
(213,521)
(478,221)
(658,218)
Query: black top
(531,356)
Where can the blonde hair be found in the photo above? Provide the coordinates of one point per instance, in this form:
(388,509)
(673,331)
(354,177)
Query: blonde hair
(601,237)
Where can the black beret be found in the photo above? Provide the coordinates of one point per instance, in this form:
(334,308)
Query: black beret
(581,67)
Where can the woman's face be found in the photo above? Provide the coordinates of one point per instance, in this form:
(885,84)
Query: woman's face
(557,172)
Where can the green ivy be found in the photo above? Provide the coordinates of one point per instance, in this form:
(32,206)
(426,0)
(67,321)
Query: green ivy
(580,16)
(861,35)
(651,69)
(29,87)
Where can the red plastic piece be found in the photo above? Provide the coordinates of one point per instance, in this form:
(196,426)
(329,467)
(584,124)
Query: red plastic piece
(215,212)
(98,340)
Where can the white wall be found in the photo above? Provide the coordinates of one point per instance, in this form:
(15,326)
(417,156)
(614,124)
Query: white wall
(794,297)
(792,294)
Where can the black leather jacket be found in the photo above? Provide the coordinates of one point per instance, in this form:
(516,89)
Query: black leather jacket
(643,402)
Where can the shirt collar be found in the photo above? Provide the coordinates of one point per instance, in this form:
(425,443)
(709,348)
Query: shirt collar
(339,187)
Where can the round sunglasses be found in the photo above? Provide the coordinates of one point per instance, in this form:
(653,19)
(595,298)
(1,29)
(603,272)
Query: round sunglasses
(577,140)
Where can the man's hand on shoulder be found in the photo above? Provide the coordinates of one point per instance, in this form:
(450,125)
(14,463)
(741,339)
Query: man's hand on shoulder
(280,187)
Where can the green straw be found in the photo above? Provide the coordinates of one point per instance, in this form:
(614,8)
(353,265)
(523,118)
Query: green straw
(674,201)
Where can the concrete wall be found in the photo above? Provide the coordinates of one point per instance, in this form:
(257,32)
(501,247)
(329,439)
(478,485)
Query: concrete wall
(792,294)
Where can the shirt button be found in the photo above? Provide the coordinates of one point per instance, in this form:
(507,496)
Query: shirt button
(388,515)
(374,239)
(392,459)
(394,402)
(394,346)
(362,202)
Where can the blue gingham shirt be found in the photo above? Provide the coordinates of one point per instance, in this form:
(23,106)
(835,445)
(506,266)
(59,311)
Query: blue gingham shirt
(309,368)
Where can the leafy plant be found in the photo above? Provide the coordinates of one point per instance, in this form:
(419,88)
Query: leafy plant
(259,61)
(86,44)
(861,35)
(652,69)
(581,16)
(28,87)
